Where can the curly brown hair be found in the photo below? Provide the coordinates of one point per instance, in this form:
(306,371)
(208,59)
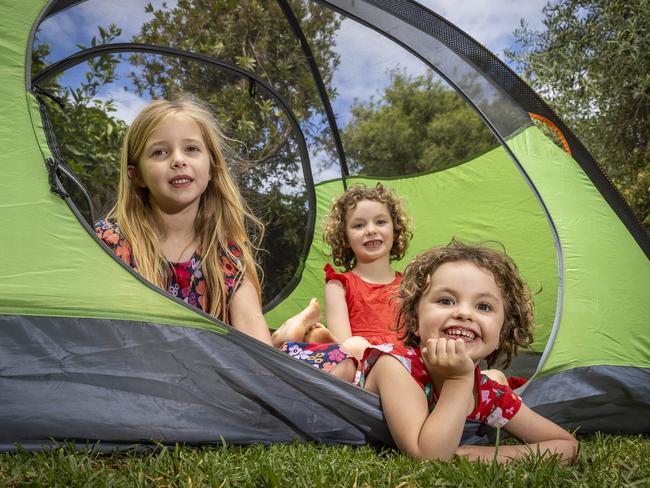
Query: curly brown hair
(517,329)
(335,222)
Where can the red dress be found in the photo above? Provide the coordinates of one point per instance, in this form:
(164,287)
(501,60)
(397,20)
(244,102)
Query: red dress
(496,403)
(371,310)
(371,307)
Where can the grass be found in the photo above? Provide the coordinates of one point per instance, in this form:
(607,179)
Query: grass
(604,461)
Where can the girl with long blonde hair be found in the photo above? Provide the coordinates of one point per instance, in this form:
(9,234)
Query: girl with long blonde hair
(180,220)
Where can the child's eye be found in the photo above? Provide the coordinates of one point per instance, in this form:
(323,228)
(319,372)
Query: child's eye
(193,148)
(382,222)
(159,152)
(445,301)
(484,307)
(357,226)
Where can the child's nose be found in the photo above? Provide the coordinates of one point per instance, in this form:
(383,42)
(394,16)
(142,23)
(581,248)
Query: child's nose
(178,159)
(462,311)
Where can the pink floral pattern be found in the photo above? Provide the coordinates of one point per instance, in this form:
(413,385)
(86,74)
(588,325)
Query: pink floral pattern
(187,281)
(321,356)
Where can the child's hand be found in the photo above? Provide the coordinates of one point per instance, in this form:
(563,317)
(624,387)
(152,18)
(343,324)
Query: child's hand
(447,358)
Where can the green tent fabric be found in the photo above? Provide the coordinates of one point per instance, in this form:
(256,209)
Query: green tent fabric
(89,351)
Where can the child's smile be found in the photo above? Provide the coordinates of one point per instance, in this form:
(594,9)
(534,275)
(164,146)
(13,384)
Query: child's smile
(460,333)
(463,302)
(373,243)
(181,181)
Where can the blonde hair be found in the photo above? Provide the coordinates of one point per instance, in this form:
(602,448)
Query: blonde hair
(335,222)
(222,216)
(517,329)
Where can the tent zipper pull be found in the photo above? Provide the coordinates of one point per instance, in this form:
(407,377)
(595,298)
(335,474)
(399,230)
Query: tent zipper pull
(38,91)
(53,177)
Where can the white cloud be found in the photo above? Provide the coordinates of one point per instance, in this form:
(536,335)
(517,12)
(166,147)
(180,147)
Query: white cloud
(127,103)
(489,22)
(366,59)
(78,25)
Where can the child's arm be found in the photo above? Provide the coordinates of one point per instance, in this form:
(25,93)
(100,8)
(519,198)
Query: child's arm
(541,435)
(336,310)
(417,432)
(246,313)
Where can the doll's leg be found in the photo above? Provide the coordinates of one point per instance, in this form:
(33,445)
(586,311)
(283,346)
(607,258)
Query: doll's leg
(295,328)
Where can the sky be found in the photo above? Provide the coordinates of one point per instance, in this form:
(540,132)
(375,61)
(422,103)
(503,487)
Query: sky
(491,22)
(366,57)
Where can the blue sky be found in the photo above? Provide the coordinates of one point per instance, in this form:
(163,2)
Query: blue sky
(366,57)
(490,22)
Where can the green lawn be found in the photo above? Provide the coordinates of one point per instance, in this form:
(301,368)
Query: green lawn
(605,461)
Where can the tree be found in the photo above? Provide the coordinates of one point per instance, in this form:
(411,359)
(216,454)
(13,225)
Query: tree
(88,136)
(256,36)
(417,125)
(592,64)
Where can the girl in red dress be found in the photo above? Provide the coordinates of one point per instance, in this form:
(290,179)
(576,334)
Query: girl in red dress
(459,304)
(367,229)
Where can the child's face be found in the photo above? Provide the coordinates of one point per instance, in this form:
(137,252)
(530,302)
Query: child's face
(462,302)
(369,231)
(175,165)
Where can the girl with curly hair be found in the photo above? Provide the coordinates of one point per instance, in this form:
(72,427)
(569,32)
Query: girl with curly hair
(367,229)
(459,304)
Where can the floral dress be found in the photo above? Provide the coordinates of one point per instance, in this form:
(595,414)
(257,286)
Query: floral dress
(187,281)
(496,403)
(321,356)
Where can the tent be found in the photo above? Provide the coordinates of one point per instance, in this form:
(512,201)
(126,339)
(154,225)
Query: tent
(91,352)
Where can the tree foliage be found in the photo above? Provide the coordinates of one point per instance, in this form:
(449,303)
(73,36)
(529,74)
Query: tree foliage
(417,125)
(265,159)
(256,36)
(592,64)
(88,135)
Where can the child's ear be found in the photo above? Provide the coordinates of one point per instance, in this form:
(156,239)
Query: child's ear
(134,175)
